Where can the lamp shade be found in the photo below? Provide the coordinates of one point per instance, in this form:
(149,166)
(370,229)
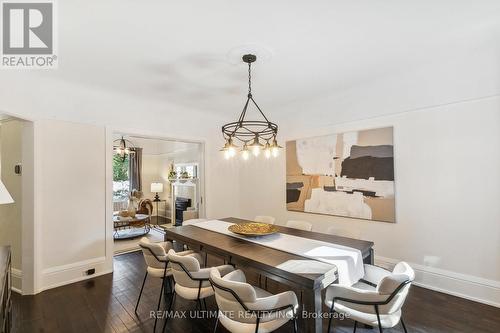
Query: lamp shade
(157,187)
(5,197)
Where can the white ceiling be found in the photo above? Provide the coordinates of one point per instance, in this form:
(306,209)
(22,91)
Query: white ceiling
(121,57)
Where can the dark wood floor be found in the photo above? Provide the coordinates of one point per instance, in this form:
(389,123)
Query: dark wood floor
(106,304)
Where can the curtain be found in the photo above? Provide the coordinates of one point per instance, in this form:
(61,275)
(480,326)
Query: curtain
(135,170)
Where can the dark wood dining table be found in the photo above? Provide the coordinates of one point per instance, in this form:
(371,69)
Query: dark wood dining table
(270,262)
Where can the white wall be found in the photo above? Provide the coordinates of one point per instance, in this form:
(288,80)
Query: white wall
(222,196)
(11,132)
(151,165)
(71,201)
(447,162)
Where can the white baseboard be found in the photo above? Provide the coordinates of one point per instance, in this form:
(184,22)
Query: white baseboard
(65,274)
(461,285)
(17,280)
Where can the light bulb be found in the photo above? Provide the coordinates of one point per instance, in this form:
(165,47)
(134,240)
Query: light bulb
(267,150)
(256,146)
(227,154)
(231,151)
(256,151)
(275,151)
(275,148)
(245,154)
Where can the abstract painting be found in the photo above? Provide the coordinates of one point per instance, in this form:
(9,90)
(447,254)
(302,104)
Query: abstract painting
(348,174)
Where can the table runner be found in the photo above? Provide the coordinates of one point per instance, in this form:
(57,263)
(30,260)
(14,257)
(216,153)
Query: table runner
(349,261)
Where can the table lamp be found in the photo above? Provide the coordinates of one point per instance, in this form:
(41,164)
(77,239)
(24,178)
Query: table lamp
(157,188)
(5,197)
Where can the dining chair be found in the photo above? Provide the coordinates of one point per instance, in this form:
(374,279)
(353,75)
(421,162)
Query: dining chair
(244,308)
(302,225)
(191,281)
(349,233)
(264,219)
(155,255)
(375,300)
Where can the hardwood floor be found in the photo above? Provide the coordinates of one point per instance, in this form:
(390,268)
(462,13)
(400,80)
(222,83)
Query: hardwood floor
(106,304)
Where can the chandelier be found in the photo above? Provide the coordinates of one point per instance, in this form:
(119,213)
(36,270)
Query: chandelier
(123,148)
(254,135)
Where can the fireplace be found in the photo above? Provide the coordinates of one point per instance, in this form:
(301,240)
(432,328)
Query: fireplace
(181,204)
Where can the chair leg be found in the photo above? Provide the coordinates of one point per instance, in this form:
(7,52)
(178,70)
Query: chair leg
(403,323)
(294,324)
(159,303)
(199,305)
(170,283)
(257,325)
(378,319)
(168,311)
(166,280)
(140,293)
(205,304)
(216,324)
(331,316)
(355,326)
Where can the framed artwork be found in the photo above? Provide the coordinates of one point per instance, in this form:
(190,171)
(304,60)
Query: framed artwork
(348,174)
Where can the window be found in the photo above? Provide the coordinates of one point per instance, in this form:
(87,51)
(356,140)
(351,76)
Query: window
(121,178)
(190,168)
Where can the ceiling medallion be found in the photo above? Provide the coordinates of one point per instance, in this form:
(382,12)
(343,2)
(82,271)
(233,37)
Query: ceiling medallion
(253,135)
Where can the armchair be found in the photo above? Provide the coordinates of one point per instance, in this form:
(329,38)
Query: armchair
(145,207)
(376,300)
(247,309)
(191,281)
(155,255)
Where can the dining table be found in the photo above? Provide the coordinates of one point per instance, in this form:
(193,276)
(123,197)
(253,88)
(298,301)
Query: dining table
(275,264)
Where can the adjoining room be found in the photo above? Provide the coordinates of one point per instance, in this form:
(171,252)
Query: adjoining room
(156,185)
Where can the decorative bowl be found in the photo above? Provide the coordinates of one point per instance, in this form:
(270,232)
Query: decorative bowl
(253,229)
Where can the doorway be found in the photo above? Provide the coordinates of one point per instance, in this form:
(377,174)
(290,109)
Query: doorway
(157,184)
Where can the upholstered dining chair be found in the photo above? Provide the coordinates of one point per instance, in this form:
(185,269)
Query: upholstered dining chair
(244,308)
(155,255)
(350,233)
(264,219)
(191,281)
(376,300)
(302,225)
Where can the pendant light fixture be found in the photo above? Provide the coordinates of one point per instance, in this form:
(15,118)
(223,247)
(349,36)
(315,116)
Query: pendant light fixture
(123,147)
(254,136)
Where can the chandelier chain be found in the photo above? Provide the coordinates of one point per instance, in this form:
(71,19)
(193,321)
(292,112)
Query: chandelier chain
(249,79)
